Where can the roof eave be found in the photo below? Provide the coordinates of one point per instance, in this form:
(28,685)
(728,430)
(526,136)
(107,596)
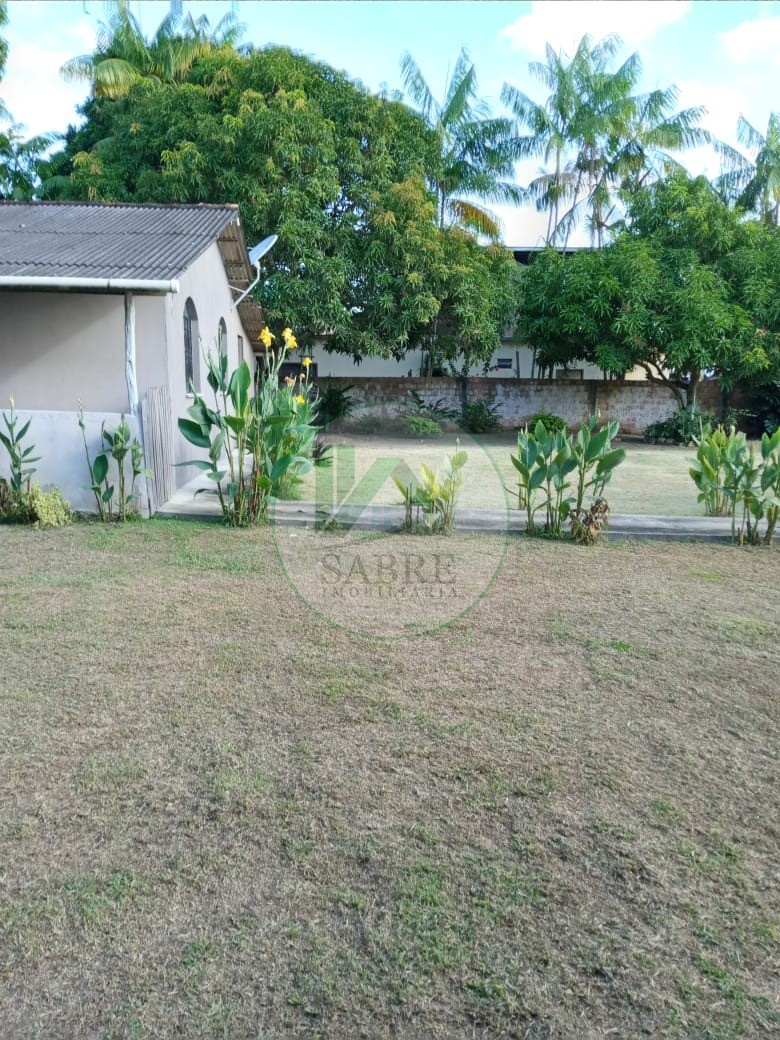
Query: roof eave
(240,275)
(117,286)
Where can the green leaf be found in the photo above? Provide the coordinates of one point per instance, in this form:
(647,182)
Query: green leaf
(608,462)
(238,389)
(194,434)
(236,423)
(597,444)
(100,468)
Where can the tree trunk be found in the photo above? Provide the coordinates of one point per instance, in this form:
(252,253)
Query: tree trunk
(690,392)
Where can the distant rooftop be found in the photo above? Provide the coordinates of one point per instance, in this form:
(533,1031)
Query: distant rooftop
(524,254)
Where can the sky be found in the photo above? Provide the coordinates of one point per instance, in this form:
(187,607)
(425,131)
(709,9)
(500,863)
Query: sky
(724,55)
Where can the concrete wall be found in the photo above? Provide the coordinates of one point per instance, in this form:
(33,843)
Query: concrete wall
(634,404)
(205,283)
(58,441)
(59,348)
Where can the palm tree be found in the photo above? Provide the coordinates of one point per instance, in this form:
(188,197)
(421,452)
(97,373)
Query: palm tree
(475,152)
(124,56)
(596,133)
(754,183)
(549,126)
(22,163)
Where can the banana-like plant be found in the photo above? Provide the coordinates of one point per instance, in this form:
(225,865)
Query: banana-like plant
(258,444)
(545,460)
(596,458)
(118,444)
(436,494)
(21,458)
(735,481)
(718,453)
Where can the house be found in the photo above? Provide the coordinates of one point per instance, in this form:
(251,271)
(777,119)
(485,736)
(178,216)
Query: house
(513,360)
(112,305)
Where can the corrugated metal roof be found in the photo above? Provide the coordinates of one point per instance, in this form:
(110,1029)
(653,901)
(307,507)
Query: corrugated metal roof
(107,240)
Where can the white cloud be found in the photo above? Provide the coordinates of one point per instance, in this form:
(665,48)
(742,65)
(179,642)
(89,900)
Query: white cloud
(34,92)
(724,103)
(753,42)
(564,22)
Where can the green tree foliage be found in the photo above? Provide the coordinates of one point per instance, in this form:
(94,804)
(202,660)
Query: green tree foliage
(479,292)
(688,289)
(308,154)
(475,155)
(596,136)
(23,163)
(754,183)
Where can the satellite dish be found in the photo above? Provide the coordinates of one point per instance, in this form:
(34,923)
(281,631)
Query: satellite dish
(259,251)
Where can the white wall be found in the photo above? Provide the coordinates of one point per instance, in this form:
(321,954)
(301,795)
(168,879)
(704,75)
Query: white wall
(58,348)
(344,366)
(205,283)
(58,442)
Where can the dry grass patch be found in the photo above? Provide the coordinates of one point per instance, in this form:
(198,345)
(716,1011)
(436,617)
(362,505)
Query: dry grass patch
(220,816)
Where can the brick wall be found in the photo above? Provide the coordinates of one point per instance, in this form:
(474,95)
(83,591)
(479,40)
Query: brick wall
(635,404)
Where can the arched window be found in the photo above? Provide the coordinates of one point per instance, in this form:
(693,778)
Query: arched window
(222,337)
(191,341)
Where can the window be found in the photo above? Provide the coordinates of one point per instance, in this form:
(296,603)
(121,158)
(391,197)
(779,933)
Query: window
(570,373)
(504,363)
(222,337)
(191,341)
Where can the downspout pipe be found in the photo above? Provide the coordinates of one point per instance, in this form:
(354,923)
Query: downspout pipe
(130,368)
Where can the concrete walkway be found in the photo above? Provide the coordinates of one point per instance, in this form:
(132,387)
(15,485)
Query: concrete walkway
(188,504)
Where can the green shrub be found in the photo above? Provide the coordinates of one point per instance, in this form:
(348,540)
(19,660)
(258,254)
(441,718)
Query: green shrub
(35,506)
(333,403)
(421,426)
(20,458)
(684,427)
(118,444)
(434,496)
(734,480)
(258,445)
(545,461)
(765,406)
(553,423)
(479,417)
(716,454)
(422,419)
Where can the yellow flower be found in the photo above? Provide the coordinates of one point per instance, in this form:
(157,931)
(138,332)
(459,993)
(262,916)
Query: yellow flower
(306,362)
(266,337)
(289,339)
(300,399)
